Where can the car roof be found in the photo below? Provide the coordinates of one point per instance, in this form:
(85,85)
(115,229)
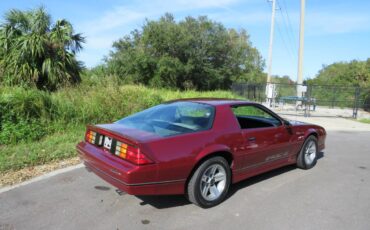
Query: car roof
(214,101)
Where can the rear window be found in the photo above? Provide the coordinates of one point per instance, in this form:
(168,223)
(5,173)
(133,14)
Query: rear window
(172,118)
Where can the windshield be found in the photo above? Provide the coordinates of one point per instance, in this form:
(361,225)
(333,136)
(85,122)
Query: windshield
(172,119)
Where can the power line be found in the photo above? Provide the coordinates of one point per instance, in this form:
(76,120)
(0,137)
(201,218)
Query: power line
(285,26)
(289,24)
(290,54)
(288,48)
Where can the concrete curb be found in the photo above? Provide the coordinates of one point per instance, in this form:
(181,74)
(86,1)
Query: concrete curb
(42,177)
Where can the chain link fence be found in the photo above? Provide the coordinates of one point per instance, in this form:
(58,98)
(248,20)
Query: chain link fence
(315,100)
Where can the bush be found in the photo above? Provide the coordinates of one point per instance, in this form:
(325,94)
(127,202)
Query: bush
(23,103)
(21,131)
(29,114)
(24,114)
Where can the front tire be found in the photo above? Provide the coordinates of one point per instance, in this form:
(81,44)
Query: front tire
(307,157)
(210,182)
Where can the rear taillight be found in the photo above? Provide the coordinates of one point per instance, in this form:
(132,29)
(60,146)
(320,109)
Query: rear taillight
(131,153)
(94,138)
(90,136)
(120,149)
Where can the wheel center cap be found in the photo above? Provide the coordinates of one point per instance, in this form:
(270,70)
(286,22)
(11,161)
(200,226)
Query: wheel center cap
(212,182)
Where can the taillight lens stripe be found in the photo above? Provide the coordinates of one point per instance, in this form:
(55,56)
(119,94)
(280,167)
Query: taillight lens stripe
(94,138)
(91,136)
(121,149)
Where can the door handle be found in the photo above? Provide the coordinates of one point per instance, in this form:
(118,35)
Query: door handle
(251,138)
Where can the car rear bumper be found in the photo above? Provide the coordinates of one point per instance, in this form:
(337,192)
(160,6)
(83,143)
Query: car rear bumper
(132,179)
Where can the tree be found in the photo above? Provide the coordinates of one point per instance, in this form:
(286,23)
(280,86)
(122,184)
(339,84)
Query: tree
(343,77)
(36,53)
(353,73)
(195,53)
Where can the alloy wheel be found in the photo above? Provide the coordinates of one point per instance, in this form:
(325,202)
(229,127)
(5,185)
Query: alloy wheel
(213,182)
(310,152)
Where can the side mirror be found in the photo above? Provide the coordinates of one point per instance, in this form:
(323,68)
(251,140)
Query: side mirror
(288,126)
(287,123)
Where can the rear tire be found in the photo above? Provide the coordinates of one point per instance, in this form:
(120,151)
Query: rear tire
(210,182)
(307,157)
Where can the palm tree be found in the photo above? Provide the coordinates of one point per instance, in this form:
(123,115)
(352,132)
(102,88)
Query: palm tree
(35,52)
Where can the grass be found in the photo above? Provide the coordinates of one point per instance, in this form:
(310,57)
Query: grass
(365,120)
(57,146)
(38,127)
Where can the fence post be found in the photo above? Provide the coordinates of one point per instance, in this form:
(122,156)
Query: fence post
(308,99)
(333,97)
(355,107)
(313,99)
(259,96)
(254,92)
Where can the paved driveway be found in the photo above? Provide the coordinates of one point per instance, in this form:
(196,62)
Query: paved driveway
(333,195)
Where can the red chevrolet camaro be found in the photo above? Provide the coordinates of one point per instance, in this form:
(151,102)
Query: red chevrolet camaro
(197,147)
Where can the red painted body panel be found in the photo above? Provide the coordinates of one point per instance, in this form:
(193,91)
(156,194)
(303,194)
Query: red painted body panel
(176,157)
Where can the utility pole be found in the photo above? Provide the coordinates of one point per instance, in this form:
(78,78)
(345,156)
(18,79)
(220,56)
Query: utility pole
(271,42)
(300,51)
(269,86)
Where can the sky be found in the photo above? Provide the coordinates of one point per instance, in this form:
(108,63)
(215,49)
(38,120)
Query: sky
(334,30)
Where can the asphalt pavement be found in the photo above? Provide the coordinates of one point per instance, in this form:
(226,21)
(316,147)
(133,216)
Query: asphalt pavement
(335,194)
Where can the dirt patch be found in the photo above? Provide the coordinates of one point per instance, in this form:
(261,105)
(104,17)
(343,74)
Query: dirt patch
(14,177)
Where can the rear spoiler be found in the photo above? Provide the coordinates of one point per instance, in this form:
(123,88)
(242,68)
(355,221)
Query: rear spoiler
(113,134)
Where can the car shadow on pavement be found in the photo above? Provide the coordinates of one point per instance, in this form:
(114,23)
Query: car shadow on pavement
(256,179)
(264,176)
(163,202)
(320,155)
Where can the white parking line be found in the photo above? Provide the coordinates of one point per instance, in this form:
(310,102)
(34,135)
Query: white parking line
(42,177)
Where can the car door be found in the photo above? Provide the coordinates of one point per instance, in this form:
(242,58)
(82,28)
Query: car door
(266,139)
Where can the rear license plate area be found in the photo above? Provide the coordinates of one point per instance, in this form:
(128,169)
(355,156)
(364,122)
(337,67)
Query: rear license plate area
(109,144)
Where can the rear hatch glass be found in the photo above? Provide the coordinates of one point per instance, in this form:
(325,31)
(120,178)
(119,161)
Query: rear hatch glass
(172,118)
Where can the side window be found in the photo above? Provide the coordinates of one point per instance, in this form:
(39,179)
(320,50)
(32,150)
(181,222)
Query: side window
(251,117)
(196,116)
